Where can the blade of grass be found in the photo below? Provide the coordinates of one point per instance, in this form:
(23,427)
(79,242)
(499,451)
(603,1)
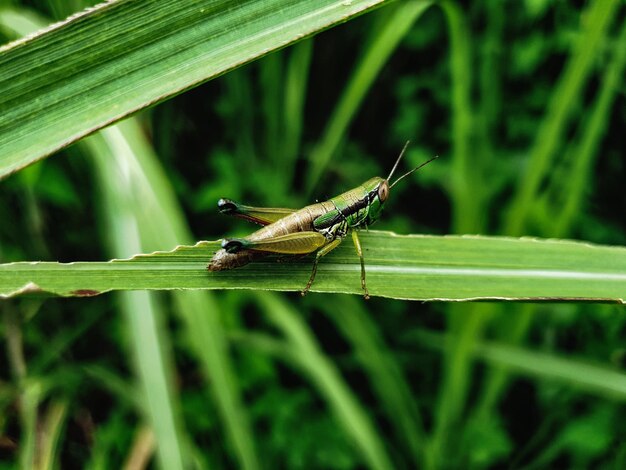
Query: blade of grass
(466,192)
(597,19)
(601,380)
(115,384)
(469,324)
(112,60)
(30,399)
(153,360)
(162,223)
(141,450)
(513,333)
(385,375)
(104,451)
(416,267)
(151,351)
(468,215)
(563,217)
(60,343)
(338,396)
(271,80)
(592,378)
(594,130)
(17,22)
(239,95)
(207,336)
(327,379)
(53,426)
(16,361)
(296,81)
(382,46)
(491,87)
(141,312)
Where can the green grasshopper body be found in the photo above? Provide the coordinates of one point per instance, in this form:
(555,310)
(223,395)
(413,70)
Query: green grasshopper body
(316,228)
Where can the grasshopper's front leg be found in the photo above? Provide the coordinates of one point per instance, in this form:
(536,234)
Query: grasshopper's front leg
(359,251)
(323,251)
(327,249)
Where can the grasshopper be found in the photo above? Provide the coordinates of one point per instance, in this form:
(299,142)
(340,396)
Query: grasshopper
(319,228)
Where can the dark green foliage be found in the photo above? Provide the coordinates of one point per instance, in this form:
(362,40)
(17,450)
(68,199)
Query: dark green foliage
(523,101)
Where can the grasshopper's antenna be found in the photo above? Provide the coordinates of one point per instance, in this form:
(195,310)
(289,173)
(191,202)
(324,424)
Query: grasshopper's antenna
(398,160)
(409,172)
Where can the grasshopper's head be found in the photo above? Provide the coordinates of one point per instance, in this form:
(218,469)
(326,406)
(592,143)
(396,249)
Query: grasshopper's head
(378,188)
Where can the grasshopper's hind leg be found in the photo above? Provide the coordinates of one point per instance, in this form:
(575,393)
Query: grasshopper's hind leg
(258,215)
(359,251)
(323,251)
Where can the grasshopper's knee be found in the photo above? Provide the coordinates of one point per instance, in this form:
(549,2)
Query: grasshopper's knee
(233,245)
(227,206)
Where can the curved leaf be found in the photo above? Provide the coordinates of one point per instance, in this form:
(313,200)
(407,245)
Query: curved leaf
(101,65)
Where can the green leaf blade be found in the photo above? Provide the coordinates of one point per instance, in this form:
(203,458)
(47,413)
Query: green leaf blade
(120,57)
(412,267)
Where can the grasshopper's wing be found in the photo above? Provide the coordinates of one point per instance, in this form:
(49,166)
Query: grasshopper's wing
(299,243)
(258,215)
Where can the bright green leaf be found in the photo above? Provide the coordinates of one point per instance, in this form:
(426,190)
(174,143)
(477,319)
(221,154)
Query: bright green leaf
(122,56)
(412,267)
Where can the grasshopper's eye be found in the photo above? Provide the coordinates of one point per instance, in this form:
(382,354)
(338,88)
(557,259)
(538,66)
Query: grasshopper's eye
(383,191)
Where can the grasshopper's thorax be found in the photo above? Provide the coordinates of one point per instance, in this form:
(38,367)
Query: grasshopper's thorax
(358,207)
(378,192)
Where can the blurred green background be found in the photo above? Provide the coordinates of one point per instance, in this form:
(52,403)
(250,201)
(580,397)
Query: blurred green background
(524,101)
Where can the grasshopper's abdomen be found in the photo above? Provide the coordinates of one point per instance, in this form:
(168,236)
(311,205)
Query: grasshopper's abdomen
(300,221)
(222,260)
